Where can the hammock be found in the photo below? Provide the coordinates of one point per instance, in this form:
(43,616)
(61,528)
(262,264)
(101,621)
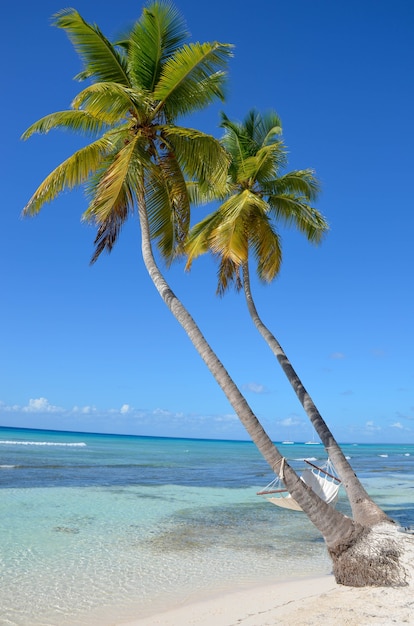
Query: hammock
(322,480)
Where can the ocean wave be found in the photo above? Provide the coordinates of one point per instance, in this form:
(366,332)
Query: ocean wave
(6,442)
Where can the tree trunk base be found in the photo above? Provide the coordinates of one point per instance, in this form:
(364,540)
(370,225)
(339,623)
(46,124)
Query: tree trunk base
(381,556)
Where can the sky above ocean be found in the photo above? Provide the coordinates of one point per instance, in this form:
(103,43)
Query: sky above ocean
(95,349)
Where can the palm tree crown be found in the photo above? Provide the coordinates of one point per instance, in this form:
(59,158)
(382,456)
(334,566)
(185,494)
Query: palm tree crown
(137,89)
(257,196)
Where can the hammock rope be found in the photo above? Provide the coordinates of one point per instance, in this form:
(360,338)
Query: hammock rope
(322,480)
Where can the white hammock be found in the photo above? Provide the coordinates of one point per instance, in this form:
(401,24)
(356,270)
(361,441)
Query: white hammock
(322,480)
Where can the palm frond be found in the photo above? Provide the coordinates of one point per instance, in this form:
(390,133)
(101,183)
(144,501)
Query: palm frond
(192,78)
(198,195)
(101,59)
(237,143)
(228,275)
(201,157)
(168,206)
(156,36)
(112,184)
(266,247)
(300,182)
(262,128)
(76,121)
(198,238)
(230,241)
(264,165)
(241,205)
(295,210)
(111,101)
(72,172)
(109,229)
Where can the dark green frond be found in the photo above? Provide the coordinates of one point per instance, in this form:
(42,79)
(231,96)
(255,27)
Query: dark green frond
(101,59)
(262,128)
(155,37)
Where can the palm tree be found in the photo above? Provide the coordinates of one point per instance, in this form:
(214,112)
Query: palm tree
(257,196)
(141,161)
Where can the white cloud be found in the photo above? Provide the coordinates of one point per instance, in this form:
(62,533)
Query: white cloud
(40,405)
(161,412)
(255,388)
(397,425)
(125,408)
(289,421)
(371,426)
(337,355)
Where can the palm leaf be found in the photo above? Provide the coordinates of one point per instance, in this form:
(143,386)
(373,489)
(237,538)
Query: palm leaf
(192,78)
(112,183)
(156,36)
(228,275)
(294,210)
(263,129)
(198,195)
(264,165)
(101,59)
(168,206)
(69,174)
(266,247)
(76,121)
(201,157)
(198,240)
(110,100)
(300,182)
(109,229)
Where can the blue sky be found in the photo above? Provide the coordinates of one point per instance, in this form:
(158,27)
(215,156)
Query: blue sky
(95,349)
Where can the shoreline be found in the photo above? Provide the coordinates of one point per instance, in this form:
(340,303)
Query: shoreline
(297,602)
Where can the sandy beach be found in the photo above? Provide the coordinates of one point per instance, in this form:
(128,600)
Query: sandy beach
(301,602)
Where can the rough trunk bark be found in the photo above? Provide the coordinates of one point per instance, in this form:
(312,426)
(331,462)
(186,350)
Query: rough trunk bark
(341,534)
(364,509)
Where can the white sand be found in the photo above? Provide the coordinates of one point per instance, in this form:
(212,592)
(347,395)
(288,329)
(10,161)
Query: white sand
(304,602)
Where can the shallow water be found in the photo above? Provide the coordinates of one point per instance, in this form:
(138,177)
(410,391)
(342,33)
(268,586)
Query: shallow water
(114,528)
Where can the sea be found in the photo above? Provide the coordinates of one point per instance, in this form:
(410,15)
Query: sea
(99,530)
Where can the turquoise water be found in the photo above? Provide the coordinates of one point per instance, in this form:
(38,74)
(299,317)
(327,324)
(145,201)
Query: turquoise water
(100,529)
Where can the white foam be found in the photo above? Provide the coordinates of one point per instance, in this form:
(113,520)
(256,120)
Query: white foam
(41,443)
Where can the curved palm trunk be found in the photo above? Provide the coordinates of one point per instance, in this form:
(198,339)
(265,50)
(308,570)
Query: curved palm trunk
(333,525)
(343,536)
(364,510)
